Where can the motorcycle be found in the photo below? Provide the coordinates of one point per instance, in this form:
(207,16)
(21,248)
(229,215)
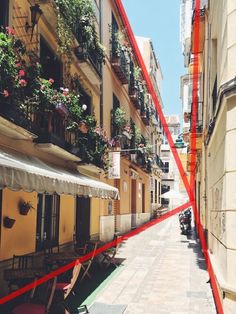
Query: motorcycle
(185,219)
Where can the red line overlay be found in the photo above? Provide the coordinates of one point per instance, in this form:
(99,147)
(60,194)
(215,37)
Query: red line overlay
(190,188)
(153,94)
(65,268)
(193,159)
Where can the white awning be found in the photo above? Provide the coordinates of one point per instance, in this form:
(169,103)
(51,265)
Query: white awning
(18,171)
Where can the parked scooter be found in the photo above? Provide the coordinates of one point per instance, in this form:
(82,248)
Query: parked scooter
(185,219)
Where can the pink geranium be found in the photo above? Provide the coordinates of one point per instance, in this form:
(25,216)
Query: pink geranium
(10,30)
(22,82)
(21,73)
(5,93)
(51,81)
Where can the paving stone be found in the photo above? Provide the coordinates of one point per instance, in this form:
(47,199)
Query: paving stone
(163,273)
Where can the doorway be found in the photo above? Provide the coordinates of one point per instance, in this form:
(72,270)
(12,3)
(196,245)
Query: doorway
(143,198)
(82,227)
(47,230)
(133,203)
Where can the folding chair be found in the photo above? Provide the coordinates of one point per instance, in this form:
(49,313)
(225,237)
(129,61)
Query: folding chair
(109,255)
(87,264)
(44,299)
(68,290)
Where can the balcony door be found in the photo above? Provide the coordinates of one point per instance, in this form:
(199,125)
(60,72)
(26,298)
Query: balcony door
(4,12)
(47,233)
(51,65)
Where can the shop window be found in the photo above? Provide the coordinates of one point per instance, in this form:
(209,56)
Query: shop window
(47,233)
(4,13)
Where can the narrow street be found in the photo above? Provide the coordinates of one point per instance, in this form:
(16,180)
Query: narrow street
(163,273)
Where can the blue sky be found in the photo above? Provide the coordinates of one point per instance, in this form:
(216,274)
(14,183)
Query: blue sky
(159,20)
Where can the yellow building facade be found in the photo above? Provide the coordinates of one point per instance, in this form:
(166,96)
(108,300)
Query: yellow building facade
(45,162)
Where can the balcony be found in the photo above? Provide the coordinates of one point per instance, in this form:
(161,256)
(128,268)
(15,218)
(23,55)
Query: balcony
(53,136)
(120,62)
(90,63)
(159,163)
(145,115)
(16,124)
(135,90)
(141,159)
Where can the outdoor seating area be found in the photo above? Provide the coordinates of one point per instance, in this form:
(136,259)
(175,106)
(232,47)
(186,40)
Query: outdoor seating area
(61,293)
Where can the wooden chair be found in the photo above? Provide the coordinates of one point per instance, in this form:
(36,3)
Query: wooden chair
(109,255)
(40,304)
(87,264)
(68,290)
(20,262)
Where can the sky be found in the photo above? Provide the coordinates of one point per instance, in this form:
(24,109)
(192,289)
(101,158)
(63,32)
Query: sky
(159,20)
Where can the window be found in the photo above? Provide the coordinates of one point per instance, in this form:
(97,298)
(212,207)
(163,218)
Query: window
(151,197)
(51,65)
(4,13)
(47,234)
(166,167)
(85,99)
(116,102)
(114,24)
(155,191)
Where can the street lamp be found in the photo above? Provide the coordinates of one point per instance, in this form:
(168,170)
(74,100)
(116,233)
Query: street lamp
(36,13)
(179,143)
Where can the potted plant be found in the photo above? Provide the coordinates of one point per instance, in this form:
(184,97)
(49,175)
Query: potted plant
(24,207)
(8,222)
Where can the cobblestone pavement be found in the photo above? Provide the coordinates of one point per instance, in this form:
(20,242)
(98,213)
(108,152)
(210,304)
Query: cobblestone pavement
(163,273)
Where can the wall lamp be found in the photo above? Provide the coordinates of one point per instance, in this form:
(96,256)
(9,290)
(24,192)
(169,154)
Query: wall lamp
(36,13)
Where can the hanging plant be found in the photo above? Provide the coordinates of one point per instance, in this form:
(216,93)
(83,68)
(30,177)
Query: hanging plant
(8,222)
(24,208)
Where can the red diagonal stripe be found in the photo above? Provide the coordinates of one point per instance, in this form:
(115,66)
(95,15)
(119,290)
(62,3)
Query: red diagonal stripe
(153,94)
(63,269)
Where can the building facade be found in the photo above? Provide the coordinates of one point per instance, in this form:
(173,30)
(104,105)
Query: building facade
(73,99)
(215,167)
(156,132)
(171,176)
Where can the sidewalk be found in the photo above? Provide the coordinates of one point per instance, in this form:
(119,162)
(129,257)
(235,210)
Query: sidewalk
(163,273)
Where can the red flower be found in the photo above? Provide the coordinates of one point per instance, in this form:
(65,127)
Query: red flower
(18,64)
(21,73)
(10,30)
(51,81)
(5,93)
(65,93)
(22,82)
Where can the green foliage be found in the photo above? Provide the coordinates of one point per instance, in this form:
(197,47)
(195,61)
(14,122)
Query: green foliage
(137,136)
(119,120)
(11,51)
(77,17)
